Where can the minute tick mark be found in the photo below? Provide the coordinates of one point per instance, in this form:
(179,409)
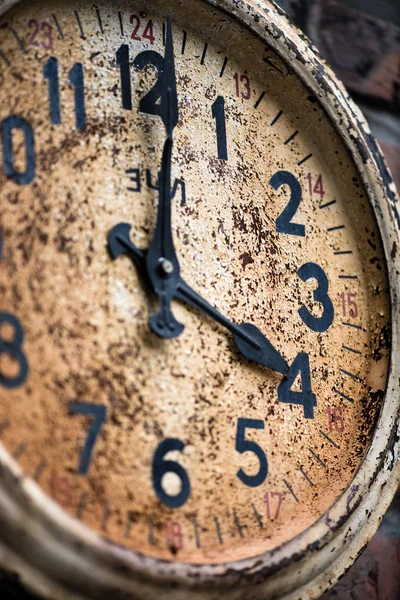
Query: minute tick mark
(276,118)
(82,505)
(289,487)
(121,25)
(184,42)
(4,59)
(350,349)
(60,33)
(352,325)
(327,204)
(223,66)
(257,104)
(40,470)
(19,41)
(99,20)
(105,517)
(20,449)
(336,227)
(303,160)
(257,516)
(203,56)
(196,531)
(355,377)
(238,524)
(306,477)
(218,530)
(329,439)
(318,458)
(343,395)
(78,20)
(286,142)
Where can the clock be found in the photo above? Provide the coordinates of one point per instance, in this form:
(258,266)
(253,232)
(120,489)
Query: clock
(199,384)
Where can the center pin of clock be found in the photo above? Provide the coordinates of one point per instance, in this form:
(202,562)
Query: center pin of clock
(165,267)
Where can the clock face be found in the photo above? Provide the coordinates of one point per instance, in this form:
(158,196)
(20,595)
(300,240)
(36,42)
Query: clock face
(234,419)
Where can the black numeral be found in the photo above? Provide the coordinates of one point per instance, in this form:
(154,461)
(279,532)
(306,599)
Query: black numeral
(314,271)
(50,72)
(76,79)
(305,398)
(13,348)
(284,221)
(149,103)
(125,72)
(243,445)
(8,126)
(161,467)
(218,113)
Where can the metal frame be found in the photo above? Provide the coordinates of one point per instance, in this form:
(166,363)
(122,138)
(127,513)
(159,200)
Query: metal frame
(61,559)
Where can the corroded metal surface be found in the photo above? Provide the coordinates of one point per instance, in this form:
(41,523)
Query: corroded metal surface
(89,341)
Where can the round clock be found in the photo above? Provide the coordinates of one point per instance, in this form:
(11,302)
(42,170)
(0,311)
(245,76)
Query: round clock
(199,330)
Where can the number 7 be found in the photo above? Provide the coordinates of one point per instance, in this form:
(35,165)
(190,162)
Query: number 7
(99,412)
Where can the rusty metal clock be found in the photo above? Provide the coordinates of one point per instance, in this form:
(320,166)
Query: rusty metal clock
(199,378)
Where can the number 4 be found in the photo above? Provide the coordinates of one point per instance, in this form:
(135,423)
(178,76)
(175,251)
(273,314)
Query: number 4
(99,412)
(306,398)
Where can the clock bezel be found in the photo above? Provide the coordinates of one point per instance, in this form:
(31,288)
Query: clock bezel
(75,560)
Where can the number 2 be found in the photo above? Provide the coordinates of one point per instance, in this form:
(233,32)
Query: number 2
(284,223)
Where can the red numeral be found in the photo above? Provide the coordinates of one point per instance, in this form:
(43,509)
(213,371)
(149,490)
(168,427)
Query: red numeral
(335,419)
(349,306)
(270,503)
(46,39)
(147,31)
(317,187)
(173,536)
(242,86)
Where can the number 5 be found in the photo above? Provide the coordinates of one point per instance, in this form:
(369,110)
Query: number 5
(243,445)
(99,412)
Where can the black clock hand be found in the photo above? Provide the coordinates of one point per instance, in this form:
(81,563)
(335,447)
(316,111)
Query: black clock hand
(250,341)
(161,260)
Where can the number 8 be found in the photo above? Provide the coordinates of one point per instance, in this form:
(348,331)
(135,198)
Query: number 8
(13,349)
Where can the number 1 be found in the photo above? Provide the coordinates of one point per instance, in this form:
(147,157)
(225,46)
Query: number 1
(218,113)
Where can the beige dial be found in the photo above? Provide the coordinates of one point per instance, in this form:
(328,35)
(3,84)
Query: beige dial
(181,448)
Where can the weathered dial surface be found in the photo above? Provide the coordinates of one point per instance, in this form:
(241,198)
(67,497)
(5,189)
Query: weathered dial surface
(180,448)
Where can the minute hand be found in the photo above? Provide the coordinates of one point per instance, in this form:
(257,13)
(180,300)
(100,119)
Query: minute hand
(162,264)
(249,340)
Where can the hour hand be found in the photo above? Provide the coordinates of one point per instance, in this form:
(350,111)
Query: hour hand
(119,243)
(163,323)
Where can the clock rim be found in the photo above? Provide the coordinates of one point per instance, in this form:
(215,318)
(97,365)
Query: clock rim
(310,563)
